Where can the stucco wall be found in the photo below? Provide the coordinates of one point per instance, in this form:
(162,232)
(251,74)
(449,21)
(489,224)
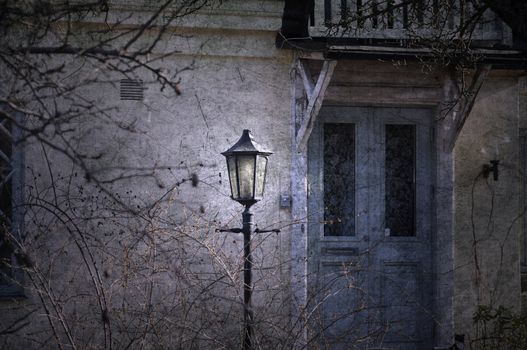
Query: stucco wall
(236,79)
(487,212)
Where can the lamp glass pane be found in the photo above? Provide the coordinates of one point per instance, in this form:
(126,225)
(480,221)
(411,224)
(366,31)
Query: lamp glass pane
(246,167)
(261,169)
(233,176)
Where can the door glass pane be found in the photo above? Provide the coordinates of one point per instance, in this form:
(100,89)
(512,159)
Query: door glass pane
(339,179)
(400,180)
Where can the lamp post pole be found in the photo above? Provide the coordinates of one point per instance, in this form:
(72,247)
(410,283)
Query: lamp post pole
(247,220)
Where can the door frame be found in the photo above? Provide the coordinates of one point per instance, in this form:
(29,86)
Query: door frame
(361,255)
(441,230)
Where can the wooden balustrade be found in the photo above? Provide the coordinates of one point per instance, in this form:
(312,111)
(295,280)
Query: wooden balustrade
(407,20)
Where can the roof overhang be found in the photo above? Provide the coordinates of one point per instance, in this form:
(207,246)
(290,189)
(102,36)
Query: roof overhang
(499,58)
(294,35)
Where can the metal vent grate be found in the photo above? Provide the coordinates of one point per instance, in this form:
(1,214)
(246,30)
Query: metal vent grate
(132,90)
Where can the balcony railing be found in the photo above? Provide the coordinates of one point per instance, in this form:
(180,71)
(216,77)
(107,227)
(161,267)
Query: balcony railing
(408,20)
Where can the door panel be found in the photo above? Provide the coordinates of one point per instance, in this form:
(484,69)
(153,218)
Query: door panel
(369,275)
(400,291)
(343,311)
(336,280)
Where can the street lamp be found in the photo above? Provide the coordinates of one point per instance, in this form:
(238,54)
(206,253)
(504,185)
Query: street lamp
(247,166)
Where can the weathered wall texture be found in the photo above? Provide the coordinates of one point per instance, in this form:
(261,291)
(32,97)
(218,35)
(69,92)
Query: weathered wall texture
(487,212)
(164,271)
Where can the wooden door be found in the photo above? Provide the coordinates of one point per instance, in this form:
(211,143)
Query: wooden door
(369,231)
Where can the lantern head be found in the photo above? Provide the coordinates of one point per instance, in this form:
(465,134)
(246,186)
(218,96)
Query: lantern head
(247,166)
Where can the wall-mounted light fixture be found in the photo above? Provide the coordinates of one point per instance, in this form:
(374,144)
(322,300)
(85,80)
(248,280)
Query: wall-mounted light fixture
(491,168)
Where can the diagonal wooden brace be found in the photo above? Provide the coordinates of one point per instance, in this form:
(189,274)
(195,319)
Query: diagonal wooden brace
(466,103)
(315,98)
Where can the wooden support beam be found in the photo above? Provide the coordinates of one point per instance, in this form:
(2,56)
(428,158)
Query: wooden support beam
(309,85)
(479,77)
(466,102)
(314,103)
